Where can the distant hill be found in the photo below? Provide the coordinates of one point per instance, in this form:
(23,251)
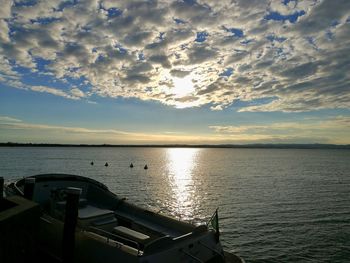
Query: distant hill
(253,146)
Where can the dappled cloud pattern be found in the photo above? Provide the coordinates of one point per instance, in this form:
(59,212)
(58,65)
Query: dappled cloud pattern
(285,55)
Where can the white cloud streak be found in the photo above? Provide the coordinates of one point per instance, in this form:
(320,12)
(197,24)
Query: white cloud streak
(331,130)
(32,132)
(6,119)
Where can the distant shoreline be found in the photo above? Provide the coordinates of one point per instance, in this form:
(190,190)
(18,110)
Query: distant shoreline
(243,146)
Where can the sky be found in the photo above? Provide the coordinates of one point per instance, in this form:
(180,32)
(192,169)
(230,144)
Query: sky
(175,72)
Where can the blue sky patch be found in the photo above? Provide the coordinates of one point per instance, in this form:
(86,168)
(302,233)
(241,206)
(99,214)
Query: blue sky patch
(228,72)
(66,4)
(190,2)
(179,21)
(286,2)
(141,56)
(121,49)
(201,36)
(44,21)
(236,32)
(25,3)
(37,79)
(41,64)
(275,16)
(273,38)
(100,58)
(114,12)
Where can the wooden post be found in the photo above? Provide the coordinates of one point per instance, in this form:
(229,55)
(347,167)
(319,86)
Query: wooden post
(1,187)
(29,184)
(70,222)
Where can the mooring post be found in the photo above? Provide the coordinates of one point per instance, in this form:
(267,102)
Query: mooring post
(70,222)
(1,187)
(29,184)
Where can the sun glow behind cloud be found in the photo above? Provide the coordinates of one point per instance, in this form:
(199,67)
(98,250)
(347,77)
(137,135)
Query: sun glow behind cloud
(182,86)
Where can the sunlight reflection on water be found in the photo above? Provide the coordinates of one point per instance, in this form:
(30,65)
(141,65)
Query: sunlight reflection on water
(180,165)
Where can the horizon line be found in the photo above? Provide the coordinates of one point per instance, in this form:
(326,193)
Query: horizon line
(252,145)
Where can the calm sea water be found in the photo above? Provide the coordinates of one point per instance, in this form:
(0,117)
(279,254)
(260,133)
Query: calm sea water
(275,205)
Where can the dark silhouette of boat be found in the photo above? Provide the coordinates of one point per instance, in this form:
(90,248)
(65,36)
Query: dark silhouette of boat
(111,229)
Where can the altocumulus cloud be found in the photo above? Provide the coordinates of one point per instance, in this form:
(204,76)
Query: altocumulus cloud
(292,55)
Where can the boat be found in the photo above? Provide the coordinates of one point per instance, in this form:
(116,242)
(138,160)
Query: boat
(111,229)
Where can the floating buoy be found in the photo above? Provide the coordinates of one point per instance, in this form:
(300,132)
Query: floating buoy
(106,164)
(92,163)
(146,167)
(131,165)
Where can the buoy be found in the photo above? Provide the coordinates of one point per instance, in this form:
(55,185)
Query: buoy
(131,165)
(146,167)
(106,164)
(92,163)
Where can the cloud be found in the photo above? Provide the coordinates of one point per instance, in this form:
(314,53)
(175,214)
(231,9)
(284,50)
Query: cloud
(201,53)
(179,73)
(295,52)
(6,119)
(31,132)
(5,11)
(317,130)
(75,93)
(4,32)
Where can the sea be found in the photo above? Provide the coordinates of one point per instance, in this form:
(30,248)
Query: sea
(274,205)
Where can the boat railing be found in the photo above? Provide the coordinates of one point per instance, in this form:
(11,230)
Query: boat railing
(157,244)
(110,235)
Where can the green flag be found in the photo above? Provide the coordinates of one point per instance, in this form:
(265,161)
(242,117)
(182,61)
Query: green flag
(214,223)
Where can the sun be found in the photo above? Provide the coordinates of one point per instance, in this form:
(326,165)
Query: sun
(182,86)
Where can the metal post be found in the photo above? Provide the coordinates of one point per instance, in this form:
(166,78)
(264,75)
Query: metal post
(70,222)
(29,184)
(1,188)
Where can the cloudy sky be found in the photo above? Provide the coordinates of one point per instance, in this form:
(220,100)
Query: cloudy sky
(189,71)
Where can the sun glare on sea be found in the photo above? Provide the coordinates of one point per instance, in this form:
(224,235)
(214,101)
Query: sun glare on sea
(181,163)
(182,86)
